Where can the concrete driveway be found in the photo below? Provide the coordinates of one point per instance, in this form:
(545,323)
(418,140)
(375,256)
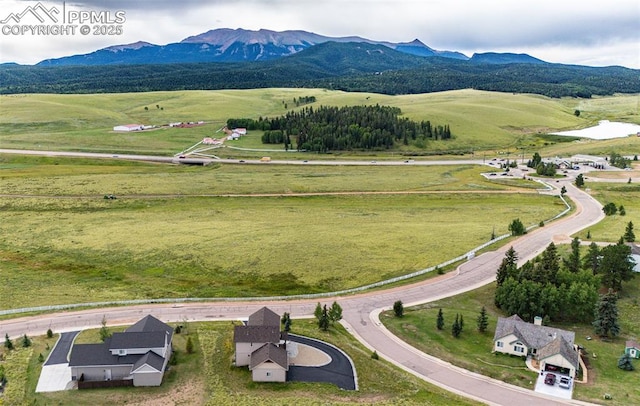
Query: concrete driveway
(553,390)
(56,373)
(340,371)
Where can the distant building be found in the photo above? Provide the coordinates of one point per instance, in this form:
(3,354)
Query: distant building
(129,127)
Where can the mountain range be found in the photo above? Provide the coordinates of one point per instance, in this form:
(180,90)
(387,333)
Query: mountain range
(239,45)
(242,59)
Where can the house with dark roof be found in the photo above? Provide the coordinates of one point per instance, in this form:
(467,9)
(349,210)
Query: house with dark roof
(632,348)
(260,345)
(139,354)
(552,347)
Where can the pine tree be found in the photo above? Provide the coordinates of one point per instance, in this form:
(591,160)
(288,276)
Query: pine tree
(286,321)
(573,263)
(508,266)
(629,235)
(189,346)
(579,182)
(483,320)
(323,321)
(26,341)
(456,328)
(8,344)
(606,315)
(592,259)
(440,321)
(398,308)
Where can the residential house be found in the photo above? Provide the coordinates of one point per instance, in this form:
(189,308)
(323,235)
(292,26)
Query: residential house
(139,354)
(552,347)
(261,346)
(632,348)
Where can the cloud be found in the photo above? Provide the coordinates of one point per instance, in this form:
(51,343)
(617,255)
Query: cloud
(590,31)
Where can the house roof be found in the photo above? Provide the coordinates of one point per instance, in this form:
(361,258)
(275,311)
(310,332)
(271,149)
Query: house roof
(270,353)
(98,354)
(152,359)
(150,323)
(145,339)
(256,334)
(631,344)
(532,335)
(147,333)
(560,346)
(264,317)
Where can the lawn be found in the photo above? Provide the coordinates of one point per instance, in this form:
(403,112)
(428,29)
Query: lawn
(208,378)
(173,232)
(472,350)
(613,227)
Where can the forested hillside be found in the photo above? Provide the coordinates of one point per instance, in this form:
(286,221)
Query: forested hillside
(337,66)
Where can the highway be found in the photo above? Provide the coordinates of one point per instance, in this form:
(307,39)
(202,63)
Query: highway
(360,312)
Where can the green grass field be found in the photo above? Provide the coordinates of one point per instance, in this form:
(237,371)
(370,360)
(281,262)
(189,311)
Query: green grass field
(481,121)
(63,243)
(613,227)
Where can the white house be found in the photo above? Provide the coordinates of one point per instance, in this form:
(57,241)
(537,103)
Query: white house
(129,127)
(269,363)
(260,345)
(552,347)
(139,354)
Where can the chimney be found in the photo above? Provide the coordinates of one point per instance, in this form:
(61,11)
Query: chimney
(537,321)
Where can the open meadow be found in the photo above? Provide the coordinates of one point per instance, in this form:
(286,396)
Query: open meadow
(174,231)
(483,122)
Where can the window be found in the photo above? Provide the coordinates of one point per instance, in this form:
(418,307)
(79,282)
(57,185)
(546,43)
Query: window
(499,344)
(517,348)
(122,352)
(268,373)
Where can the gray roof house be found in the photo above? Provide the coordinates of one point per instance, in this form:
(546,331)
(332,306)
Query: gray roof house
(552,347)
(139,354)
(260,346)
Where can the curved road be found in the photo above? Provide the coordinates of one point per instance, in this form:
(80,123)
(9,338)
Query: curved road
(361,311)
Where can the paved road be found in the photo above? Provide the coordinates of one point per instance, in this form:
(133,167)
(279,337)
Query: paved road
(200,160)
(361,312)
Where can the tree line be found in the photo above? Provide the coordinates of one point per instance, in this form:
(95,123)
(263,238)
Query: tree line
(561,289)
(328,128)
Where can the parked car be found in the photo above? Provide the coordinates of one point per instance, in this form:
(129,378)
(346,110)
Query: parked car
(550,379)
(564,382)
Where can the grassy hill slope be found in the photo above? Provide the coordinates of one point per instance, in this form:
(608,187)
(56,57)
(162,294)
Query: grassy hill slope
(479,120)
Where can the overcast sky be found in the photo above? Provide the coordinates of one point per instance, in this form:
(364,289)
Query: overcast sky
(587,32)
